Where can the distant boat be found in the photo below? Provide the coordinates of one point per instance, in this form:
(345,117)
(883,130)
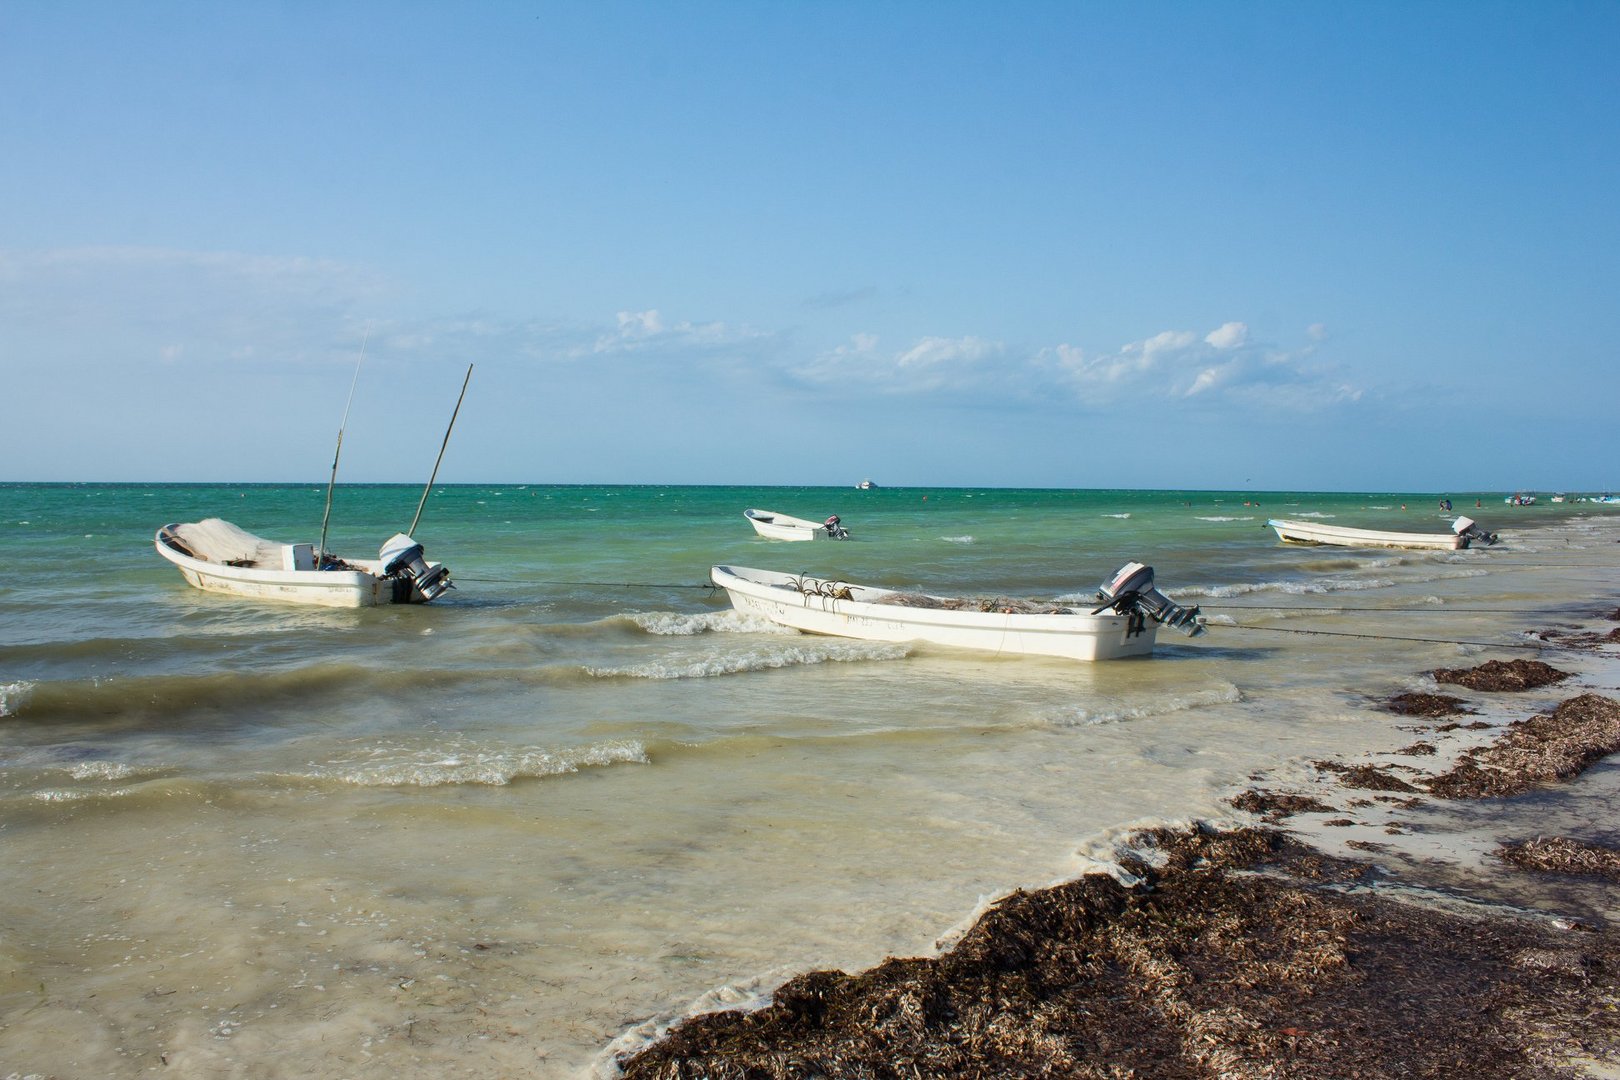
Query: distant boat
(1463,532)
(216,556)
(1124,624)
(774,526)
(865,485)
(1519,498)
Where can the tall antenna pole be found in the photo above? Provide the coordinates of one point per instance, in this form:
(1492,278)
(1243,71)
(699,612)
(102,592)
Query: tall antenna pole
(412,530)
(320,552)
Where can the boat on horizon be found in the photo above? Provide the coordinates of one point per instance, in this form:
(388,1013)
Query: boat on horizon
(775,526)
(1124,623)
(1463,533)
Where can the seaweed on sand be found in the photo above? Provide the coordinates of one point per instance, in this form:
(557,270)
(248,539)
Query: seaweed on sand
(1547,747)
(1234,957)
(1274,805)
(1420,704)
(1562,855)
(1507,675)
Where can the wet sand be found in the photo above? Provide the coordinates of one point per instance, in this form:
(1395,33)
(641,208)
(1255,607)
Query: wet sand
(1444,910)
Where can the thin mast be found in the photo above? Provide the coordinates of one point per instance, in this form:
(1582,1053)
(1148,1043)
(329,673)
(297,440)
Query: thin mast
(320,552)
(412,530)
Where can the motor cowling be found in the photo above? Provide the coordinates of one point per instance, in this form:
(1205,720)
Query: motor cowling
(835,528)
(402,557)
(1131,590)
(1472,533)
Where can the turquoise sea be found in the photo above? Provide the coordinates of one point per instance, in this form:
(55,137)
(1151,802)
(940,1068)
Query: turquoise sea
(506,832)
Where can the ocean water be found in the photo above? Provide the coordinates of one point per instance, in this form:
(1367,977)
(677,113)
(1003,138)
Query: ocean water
(506,832)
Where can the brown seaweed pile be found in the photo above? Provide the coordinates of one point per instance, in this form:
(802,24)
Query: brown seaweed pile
(1544,748)
(1419,704)
(1562,855)
(1273,806)
(1503,675)
(1200,971)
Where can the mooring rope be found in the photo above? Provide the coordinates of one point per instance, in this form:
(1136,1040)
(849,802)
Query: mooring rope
(1391,637)
(598,584)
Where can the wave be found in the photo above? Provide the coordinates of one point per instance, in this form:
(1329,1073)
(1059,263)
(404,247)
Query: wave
(762,658)
(166,698)
(1224,518)
(1117,515)
(680,624)
(13,696)
(957,539)
(1084,716)
(393,766)
(1296,588)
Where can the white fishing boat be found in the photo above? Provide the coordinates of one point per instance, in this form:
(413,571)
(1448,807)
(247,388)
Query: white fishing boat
(1124,624)
(774,526)
(1463,533)
(216,556)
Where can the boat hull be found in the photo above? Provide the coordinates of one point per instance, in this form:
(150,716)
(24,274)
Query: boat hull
(319,588)
(1310,532)
(809,605)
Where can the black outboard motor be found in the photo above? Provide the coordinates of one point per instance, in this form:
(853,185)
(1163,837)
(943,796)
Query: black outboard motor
(834,529)
(402,557)
(1131,591)
(1471,533)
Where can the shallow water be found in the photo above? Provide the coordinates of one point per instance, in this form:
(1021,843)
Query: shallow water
(578,794)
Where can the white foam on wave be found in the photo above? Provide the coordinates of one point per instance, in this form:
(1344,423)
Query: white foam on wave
(101,770)
(1222,518)
(957,539)
(762,658)
(1090,716)
(1117,515)
(65,795)
(1294,588)
(13,695)
(679,624)
(412,767)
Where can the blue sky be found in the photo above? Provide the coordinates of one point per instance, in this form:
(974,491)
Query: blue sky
(1370,246)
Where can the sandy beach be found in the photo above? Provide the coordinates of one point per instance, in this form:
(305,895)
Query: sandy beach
(1447,909)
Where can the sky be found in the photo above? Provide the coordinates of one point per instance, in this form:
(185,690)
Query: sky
(1215,245)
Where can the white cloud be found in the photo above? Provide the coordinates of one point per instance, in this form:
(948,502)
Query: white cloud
(1228,336)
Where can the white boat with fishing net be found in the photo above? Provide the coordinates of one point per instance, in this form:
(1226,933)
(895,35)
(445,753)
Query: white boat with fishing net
(774,526)
(216,556)
(1463,533)
(1124,623)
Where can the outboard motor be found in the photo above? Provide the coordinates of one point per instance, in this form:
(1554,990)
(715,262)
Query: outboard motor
(1471,533)
(401,556)
(1131,591)
(835,530)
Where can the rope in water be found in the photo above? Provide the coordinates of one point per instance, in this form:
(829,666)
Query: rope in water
(599,584)
(1390,637)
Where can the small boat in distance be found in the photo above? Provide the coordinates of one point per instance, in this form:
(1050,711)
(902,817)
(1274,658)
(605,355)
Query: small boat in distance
(1463,532)
(216,556)
(774,526)
(865,485)
(1124,624)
